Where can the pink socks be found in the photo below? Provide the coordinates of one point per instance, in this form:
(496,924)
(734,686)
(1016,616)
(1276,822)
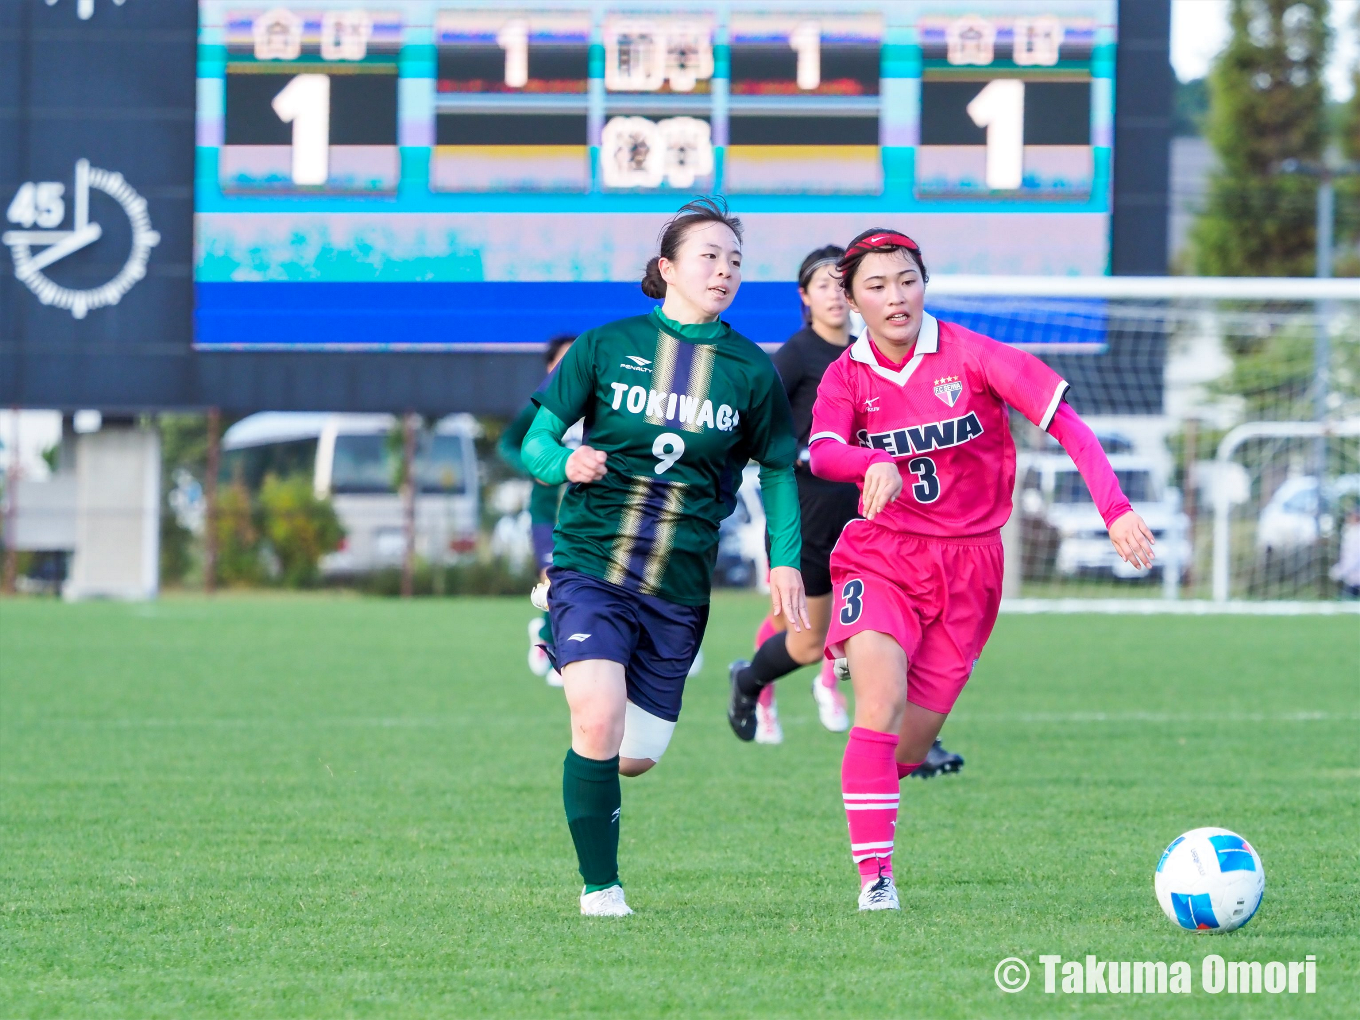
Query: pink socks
(905,770)
(764,634)
(869,778)
(828,675)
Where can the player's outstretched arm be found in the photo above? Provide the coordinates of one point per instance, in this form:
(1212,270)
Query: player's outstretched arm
(1130,535)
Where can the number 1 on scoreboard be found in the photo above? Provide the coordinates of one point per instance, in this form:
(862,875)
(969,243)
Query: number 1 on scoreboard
(806,41)
(305,102)
(514,39)
(1000,108)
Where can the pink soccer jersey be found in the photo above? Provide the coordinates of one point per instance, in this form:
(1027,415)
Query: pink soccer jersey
(942,419)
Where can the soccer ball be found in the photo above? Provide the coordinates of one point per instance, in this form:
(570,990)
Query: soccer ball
(1210,880)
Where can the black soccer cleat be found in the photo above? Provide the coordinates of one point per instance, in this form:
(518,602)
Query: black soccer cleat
(939,762)
(741,710)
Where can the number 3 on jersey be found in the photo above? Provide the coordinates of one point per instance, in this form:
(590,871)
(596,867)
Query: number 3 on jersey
(668,448)
(927,487)
(852,597)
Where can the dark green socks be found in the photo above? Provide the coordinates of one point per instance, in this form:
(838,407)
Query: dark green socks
(591,795)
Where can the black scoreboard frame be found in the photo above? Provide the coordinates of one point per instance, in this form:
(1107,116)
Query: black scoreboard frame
(120,87)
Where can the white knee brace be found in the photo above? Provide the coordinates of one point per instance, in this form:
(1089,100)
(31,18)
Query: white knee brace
(644,735)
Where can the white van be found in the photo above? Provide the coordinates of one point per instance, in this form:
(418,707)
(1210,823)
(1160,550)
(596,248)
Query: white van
(352,460)
(1060,521)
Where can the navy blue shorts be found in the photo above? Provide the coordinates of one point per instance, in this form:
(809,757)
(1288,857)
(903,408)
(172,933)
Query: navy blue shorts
(542,533)
(655,640)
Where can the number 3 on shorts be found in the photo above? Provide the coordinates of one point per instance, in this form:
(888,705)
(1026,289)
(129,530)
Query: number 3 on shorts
(852,595)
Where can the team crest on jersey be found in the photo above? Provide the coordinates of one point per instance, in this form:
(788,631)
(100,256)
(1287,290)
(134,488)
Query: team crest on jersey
(949,389)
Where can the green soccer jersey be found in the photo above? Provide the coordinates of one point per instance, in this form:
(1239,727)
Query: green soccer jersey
(679,410)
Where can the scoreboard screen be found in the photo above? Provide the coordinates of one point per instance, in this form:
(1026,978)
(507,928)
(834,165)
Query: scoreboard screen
(459,175)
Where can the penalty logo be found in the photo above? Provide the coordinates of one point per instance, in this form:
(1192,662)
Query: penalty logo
(949,389)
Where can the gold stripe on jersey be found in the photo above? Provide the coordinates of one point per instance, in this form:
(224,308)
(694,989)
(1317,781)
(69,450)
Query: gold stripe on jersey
(663,371)
(665,538)
(626,537)
(700,375)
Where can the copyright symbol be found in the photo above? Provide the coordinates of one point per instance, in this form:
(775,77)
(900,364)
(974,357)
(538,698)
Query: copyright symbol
(1011,974)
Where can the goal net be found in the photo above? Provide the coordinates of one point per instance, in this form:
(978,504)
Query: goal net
(1230,410)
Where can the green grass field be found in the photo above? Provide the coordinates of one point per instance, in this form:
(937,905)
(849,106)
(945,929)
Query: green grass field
(334,806)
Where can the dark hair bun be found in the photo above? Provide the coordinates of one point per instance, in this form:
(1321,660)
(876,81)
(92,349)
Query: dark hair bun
(652,283)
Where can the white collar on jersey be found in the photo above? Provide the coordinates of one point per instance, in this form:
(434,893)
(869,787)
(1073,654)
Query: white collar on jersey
(927,342)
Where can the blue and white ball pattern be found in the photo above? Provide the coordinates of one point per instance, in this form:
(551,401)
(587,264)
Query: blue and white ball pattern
(1210,880)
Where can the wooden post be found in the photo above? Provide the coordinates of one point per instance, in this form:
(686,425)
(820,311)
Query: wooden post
(210,501)
(12,506)
(408,504)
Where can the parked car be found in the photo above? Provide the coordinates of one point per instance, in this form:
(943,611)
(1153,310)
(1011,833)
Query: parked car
(351,460)
(1062,531)
(1290,519)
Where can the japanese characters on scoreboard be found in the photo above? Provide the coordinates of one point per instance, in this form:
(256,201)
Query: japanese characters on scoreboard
(792,100)
(1006,106)
(311,100)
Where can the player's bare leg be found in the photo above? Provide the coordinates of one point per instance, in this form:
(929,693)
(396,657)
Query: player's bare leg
(878,673)
(598,699)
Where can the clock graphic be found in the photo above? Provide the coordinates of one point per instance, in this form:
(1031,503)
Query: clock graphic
(40,204)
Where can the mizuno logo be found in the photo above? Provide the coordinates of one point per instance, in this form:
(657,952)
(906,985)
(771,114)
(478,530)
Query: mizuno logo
(578,637)
(872,404)
(615,816)
(937,435)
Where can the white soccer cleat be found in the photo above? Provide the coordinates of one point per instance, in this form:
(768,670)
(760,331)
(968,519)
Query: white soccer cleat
(604,903)
(768,730)
(539,663)
(880,894)
(554,678)
(830,706)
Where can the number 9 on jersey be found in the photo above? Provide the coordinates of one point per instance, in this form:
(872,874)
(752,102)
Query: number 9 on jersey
(668,448)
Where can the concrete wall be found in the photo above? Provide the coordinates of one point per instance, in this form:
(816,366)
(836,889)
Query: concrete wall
(117,515)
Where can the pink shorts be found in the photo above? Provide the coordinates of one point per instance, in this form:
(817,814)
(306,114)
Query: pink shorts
(936,597)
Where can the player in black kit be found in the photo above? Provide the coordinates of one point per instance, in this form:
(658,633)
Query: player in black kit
(826,508)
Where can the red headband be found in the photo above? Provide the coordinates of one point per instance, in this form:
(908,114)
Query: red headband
(876,241)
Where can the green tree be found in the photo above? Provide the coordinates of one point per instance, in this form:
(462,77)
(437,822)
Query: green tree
(300,528)
(1189,107)
(238,537)
(1348,188)
(1267,103)
(1350,142)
